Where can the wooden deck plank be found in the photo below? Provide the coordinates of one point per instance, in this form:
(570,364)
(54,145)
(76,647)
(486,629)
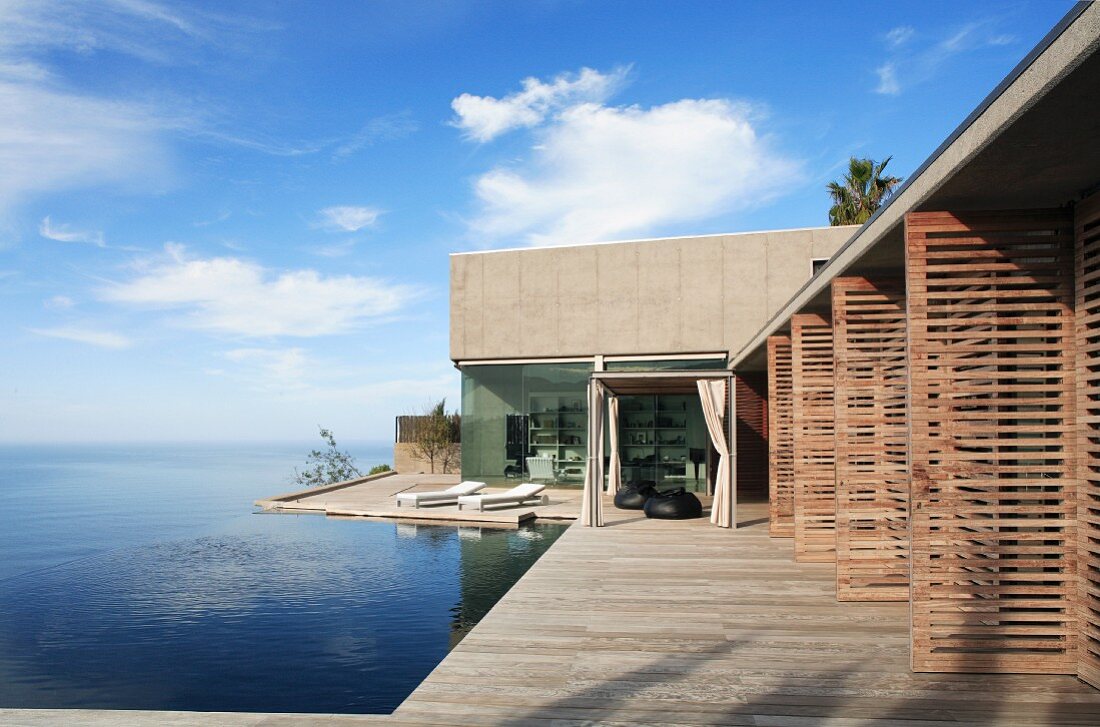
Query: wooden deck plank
(664,622)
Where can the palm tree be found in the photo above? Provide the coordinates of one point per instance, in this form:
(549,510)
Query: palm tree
(862,191)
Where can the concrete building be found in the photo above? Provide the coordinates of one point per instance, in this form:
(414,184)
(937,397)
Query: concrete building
(529,326)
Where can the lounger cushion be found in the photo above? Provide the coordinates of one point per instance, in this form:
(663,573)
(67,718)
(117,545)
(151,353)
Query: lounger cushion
(451,493)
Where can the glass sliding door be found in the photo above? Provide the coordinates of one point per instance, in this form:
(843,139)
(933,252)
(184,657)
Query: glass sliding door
(663,439)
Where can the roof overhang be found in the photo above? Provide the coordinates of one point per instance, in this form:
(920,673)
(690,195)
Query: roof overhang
(1031,143)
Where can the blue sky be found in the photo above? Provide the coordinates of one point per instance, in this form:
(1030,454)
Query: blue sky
(232,220)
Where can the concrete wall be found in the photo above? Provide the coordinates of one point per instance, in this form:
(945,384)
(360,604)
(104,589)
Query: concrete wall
(675,295)
(406,462)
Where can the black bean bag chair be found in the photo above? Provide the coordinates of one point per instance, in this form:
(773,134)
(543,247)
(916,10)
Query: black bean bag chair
(678,504)
(633,495)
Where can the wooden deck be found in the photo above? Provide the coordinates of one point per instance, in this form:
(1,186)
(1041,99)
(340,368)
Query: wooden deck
(683,623)
(375,498)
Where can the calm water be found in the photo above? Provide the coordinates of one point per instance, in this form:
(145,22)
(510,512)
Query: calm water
(139,577)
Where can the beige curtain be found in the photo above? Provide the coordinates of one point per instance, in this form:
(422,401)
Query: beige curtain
(592,504)
(712,395)
(614,474)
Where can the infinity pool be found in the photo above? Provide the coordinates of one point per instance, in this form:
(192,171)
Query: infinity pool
(139,578)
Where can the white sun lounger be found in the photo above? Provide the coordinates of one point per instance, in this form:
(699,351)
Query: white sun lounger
(518,495)
(439,497)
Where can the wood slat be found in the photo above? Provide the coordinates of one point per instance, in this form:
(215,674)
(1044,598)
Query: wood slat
(993,441)
(872,470)
(752,436)
(780,438)
(1087,309)
(814,443)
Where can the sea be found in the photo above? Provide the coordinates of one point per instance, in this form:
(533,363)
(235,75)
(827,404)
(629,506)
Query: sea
(141,576)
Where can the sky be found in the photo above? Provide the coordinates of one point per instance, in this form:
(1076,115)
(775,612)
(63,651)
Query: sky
(231,221)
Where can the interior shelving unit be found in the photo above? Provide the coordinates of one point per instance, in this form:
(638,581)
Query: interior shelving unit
(653,438)
(558,428)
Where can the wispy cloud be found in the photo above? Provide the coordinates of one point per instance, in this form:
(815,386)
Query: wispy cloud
(102,339)
(899,36)
(483,118)
(910,62)
(59,302)
(597,172)
(887,80)
(339,249)
(54,134)
(54,137)
(348,218)
(66,233)
(383,128)
(282,369)
(53,140)
(304,375)
(237,297)
(213,221)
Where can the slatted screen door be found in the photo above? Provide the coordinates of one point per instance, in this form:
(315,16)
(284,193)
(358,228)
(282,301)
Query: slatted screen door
(814,445)
(780,439)
(1087,226)
(991,356)
(872,471)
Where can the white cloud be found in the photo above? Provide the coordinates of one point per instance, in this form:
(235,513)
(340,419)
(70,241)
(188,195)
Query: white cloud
(241,298)
(599,172)
(59,302)
(887,80)
(484,118)
(899,36)
(103,339)
(339,249)
(348,218)
(65,233)
(54,134)
(382,128)
(280,369)
(53,140)
(908,63)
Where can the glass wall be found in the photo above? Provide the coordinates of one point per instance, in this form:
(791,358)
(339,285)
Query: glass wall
(525,420)
(530,421)
(700,364)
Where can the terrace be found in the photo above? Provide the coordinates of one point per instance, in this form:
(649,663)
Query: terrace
(646,621)
(374,497)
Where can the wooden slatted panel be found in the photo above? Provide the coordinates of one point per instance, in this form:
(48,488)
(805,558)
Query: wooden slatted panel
(872,435)
(752,436)
(993,499)
(814,444)
(1087,224)
(780,439)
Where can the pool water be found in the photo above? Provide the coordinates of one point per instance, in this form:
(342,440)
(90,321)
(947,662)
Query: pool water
(140,578)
